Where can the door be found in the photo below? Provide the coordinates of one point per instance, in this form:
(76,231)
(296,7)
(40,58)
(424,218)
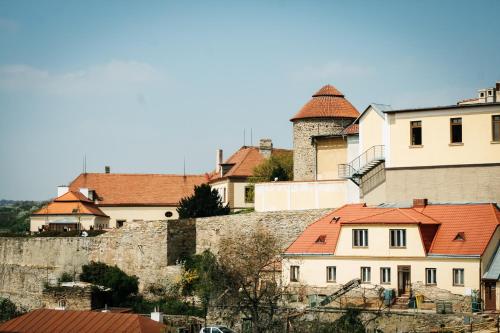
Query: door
(490,295)
(404,280)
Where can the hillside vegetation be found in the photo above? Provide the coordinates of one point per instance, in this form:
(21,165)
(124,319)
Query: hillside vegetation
(15,215)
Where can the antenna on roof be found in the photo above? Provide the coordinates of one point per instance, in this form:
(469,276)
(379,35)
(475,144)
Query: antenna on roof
(184,167)
(84,163)
(251,136)
(244,137)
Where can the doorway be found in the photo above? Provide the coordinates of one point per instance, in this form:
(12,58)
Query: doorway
(490,295)
(404,280)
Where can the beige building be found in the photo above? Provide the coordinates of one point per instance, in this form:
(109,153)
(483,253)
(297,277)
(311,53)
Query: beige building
(231,178)
(133,197)
(69,211)
(450,247)
(446,154)
(323,138)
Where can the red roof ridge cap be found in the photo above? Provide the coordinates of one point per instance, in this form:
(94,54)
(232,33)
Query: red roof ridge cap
(495,208)
(491,237)
(430,217)
(407,215)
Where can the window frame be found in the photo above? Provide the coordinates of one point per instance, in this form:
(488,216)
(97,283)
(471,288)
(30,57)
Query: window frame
(382,275)
(427,283)
(328,274)
(452,125)
(369,271)
(362,240)
(294,269)
(462,277)
(391,245)
(414,124)
(495,122)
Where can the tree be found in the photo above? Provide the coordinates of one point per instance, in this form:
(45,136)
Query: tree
(122,285)
(8,310)
(202,277)
(279,165)
(253,286)
(204,202)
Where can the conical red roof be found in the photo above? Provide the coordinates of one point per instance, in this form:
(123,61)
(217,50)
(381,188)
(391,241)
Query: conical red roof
(327,102)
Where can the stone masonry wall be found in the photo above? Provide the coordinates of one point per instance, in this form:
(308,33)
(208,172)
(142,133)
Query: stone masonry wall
(304,152)
(286,225)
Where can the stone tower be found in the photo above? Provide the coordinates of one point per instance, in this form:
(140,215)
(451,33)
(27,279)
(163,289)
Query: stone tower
(326,114)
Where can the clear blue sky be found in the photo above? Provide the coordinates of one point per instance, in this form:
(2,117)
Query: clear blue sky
(141,85)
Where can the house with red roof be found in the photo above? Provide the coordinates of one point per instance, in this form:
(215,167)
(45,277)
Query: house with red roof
(70,211)
(451,247)
(231,177)
(118,198)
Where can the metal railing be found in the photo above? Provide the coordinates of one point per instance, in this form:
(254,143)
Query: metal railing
(356,166)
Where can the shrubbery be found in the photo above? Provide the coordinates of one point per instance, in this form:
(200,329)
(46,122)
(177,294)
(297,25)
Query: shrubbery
(9,310)
(122,286)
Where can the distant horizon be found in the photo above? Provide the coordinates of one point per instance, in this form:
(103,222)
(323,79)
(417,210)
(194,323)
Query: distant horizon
(144,87)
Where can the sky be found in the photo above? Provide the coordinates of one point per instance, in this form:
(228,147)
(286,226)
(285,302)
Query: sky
(158,86)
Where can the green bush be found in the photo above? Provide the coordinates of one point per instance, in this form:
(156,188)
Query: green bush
(204,202)
(8,310)
(65,277)
(122,286)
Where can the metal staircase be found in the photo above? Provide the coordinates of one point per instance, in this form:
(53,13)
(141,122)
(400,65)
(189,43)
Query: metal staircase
(362,164)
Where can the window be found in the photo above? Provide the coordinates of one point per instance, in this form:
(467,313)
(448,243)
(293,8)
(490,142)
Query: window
(482,94)
(331,274)
(249,194)
(365,274)
(168,214)
(458,276)
(495,126)
(224,194)
(430,276)
(416,133)
(456,130)
(360,237)
(385,275)
(294,273)
(397,237)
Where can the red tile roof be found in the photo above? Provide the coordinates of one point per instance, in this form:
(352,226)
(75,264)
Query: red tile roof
(113,189)
(71,203)
(439,224)
(352,129)
(328,102)
(58,321)
(245,160)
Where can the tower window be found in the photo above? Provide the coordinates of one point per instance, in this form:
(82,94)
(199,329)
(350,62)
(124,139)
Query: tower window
(495,125)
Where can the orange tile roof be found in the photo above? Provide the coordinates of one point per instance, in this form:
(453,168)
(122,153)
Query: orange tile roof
(245,160)
(113,189)
(439,224)
(70,203)
(351,129)
(58,321)
(328,102)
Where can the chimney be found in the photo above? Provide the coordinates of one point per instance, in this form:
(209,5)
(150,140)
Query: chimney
(107,169)
(419,203)
(497,89)
(266,147)
(218,160)
(157,315)
(62,189)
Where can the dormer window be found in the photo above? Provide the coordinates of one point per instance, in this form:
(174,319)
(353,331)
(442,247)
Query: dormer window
(460,237)
(321,239)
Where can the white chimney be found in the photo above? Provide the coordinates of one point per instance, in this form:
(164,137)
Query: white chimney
(218,160)
(61,190)
(157,316)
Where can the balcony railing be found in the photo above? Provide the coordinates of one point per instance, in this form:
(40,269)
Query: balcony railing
(363,163)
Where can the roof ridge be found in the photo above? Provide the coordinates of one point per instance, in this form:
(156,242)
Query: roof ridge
(422,212)
(409,216)
(495,215)
(372,215)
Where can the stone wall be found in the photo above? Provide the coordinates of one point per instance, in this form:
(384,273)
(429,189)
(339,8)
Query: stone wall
(147,249)
(286,225)
(304,152)
(75,298)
